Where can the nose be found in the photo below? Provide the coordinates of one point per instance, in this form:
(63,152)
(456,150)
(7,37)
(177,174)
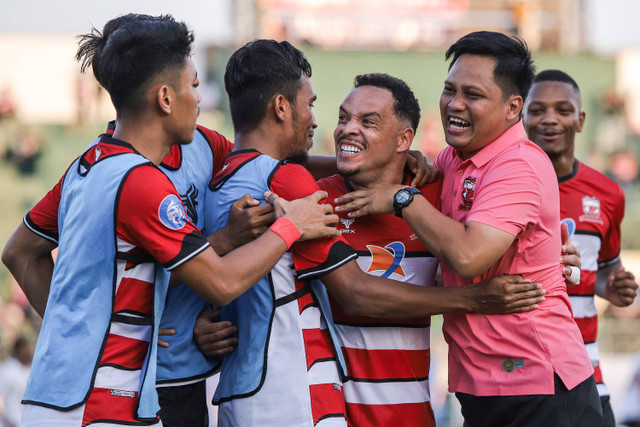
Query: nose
(314,123)
(455,103)
(549,117)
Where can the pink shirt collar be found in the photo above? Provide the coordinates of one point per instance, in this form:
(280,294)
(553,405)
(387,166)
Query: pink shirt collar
(491,150)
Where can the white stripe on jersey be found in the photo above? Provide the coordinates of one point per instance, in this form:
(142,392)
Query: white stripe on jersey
(384,338)
(282,276)
(311,318)
(589,246)
(583,306)
(324,373)
(386,393)
(137,332)
(109,377)
(593,352)
(144,272)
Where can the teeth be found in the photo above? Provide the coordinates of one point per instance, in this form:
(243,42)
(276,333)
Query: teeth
(349,149)
(458,123)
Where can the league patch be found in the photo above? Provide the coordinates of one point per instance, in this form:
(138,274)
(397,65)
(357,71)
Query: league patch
(571,225)
(171,213)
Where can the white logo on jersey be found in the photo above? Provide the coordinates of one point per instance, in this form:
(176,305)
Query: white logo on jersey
(98,153)
(591,209)
(224,167)
(347,223)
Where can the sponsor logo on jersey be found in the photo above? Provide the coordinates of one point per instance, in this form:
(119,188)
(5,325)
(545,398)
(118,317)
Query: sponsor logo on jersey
(347,222)
(98,153)
(123,393)
(387,259)
(189,199)
(171,213)
(468,190)
(591,210)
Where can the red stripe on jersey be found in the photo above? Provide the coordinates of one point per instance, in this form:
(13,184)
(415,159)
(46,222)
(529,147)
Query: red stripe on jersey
(587,284)
(318,345)
(413,414)
(126,352)
(305,301)
(107,405)
(597,374)
(387,364)
(326,400)
(588,328)
(134,295)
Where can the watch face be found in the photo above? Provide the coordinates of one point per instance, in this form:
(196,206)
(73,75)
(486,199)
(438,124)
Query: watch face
(402,196)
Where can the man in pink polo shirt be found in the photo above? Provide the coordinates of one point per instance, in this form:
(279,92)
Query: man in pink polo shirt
(500,215)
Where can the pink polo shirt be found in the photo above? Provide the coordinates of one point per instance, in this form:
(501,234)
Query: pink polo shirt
(510,184)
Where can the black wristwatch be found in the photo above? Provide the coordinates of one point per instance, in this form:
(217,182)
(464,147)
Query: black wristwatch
(402,198)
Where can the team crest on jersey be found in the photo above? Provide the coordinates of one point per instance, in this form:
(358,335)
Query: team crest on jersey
(591,210)
(347,224)
(468,190)
(189,199)
(387,259)
(171,213)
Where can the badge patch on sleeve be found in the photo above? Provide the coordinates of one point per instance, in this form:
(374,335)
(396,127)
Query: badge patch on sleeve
(171,212)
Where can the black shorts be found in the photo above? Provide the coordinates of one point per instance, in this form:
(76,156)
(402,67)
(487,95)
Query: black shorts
(578,407)
(184,405)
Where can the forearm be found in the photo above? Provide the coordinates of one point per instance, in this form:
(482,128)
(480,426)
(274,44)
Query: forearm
(453,243)
(361,294)
(28,258)
(220,280)
(601,279)
(221,242)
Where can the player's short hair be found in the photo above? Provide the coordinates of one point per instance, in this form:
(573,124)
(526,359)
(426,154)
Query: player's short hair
(514,66)
(556,76)
(131,51)
(255,73)
(405,104)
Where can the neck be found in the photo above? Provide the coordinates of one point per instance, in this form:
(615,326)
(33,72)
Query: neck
(563,164)
(392,173)
(261,139)
(148,139)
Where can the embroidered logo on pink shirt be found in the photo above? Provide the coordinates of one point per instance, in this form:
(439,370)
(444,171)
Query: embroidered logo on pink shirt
(468,190)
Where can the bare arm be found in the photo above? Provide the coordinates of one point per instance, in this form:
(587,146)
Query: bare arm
(219,280)
(362,294)
(28,258)
(469,249)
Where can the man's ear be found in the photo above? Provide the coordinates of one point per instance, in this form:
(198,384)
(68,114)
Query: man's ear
(164,97)
(514,107)
(405,139)
(281,107)
(582,116)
